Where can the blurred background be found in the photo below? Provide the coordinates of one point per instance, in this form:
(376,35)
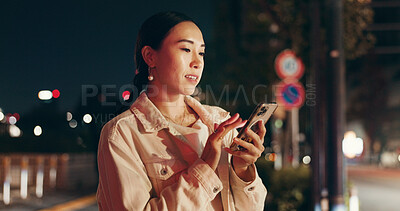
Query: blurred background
(333,67)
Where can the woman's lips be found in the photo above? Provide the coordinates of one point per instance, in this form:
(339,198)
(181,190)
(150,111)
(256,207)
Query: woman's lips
(193,78)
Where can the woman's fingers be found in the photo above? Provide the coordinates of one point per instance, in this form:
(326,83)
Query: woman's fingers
(242,124)
(247,145)
(258,138)
(230,120)
(231,123)
(218,133)
(234,153)
(250,155)
(257,142)
(261,129)
(253,150)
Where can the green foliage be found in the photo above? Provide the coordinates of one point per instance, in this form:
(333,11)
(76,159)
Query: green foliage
(250,34)
(288,189)
(293,20)
(357,16)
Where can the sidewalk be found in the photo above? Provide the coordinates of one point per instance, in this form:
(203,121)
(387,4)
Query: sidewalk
(55,200)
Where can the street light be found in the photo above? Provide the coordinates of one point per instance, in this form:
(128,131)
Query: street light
(73,123)
(1,116)
(306,159)
(12,120)
(37,130)
(87,118)
(352,146)
(55,93)
(45,95)
(14,131)
(126,95)
(69,116)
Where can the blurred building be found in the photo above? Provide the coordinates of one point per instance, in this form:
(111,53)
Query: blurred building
(374,85)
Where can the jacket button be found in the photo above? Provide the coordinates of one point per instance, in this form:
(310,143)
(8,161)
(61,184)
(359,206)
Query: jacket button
(216,189)
(164,171)
(251,188)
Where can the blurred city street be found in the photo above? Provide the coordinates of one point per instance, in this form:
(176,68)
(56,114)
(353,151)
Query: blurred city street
(331,66)
(378,189)
(56,200)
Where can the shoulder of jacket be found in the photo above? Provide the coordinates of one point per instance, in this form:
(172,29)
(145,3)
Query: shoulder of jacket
(217,111)
(111,127)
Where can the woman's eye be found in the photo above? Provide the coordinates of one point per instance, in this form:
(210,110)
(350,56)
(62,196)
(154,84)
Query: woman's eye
(202,53)
(186,50)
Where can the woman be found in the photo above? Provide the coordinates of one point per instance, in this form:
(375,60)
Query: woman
(168,151)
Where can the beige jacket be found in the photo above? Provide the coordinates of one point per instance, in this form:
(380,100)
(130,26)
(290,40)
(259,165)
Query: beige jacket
(145,164)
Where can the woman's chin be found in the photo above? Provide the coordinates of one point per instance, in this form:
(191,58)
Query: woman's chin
(189,90)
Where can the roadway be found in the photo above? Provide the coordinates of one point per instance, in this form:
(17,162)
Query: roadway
(378,189)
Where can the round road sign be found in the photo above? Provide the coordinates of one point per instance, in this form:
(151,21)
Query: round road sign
(290,94)
(288,65)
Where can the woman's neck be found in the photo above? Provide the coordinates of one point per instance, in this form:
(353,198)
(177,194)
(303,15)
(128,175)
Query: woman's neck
(174,108)
(170,105)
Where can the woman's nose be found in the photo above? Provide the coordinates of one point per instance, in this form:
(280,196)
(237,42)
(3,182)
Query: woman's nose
(197,62)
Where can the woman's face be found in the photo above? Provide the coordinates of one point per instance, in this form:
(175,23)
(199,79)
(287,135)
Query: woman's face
(180,60)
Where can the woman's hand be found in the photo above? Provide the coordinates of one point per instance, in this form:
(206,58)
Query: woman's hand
(242,160)
(212,151)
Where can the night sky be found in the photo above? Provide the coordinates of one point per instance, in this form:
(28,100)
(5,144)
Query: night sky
(66,44)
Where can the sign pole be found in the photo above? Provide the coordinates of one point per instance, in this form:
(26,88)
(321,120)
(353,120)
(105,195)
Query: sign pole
(294,115)
(291,95)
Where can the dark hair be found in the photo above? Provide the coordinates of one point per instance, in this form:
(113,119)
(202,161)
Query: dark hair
(152,33)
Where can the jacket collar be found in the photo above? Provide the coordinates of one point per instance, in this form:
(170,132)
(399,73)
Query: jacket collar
(153,120)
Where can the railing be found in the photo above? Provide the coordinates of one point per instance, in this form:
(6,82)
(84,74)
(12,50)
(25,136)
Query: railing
(33,174)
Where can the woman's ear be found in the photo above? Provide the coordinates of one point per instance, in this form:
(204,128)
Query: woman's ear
(149,56)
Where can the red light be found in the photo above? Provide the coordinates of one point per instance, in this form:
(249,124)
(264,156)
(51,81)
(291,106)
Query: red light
(16,115)
(126,95)
(56,93)
(8,117)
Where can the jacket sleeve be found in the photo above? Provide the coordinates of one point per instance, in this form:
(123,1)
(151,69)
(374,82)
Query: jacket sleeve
(124,184)
(247,195)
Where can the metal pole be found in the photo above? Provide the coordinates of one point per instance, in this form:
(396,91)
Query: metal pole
(336,100)
(318,111)
(294,115)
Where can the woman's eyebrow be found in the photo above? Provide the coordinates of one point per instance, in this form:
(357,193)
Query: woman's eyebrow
(191,42)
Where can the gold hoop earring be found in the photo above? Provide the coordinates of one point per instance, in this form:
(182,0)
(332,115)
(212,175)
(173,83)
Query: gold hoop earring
(150,77)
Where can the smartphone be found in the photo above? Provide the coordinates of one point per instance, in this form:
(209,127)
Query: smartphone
(262,112)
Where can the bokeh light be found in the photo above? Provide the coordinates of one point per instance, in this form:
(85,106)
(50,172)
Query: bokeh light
(270,156)
(37,130)
(45,95)
(351,145)
(69,116)
(56,93)
(14,131)
(126,95)
(17,116)
(1,116)
(87,118)
(278,123)
(73,123)
(306,159)
(12,120)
